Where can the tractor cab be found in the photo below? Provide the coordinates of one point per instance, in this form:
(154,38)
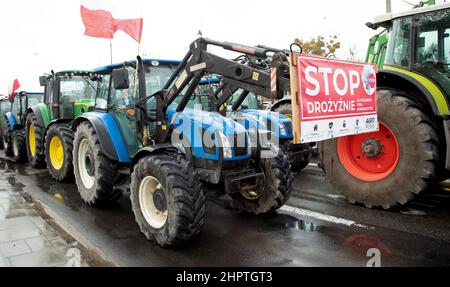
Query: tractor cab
(69,93)
(21,101)
(418,41)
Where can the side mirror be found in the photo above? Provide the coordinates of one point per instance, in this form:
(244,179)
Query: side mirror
(121,79)
(43,81)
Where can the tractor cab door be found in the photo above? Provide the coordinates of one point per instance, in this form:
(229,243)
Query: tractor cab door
(432,47)
(121,105)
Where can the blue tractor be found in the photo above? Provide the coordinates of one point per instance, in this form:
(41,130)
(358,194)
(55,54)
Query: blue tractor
(248,109)
(142,130)
(13,124)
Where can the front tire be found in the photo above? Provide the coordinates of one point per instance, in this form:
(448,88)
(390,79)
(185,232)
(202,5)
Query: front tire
(59,152)
(35,140)
(167,199)
(18,145)
(402,156)
(277,187)
(94,172)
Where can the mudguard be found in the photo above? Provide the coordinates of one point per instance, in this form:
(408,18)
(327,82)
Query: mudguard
(42,114)
(143,152)
(109,135)
(433,94)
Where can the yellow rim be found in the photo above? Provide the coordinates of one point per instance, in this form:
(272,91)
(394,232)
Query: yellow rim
(32,140)
(56,153)
(289,116)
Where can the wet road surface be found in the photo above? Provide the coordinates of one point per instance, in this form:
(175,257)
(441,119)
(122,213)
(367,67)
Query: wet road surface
(316,228)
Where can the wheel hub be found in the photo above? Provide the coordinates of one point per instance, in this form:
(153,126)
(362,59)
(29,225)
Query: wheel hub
(372,148)
(159,199)
(89,164)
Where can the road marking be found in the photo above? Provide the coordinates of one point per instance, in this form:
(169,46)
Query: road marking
(313,164)
(324,217)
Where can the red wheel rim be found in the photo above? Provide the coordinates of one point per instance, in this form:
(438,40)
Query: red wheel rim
(375,165)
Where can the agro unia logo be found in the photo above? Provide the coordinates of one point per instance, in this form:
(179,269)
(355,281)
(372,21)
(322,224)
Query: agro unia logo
(369,77)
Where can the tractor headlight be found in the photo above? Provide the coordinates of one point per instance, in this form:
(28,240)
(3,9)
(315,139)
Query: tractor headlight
(226,146)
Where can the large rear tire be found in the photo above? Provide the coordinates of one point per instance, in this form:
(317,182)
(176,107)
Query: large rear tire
(35,140)
(18,144)
(94,172)
(167,199)
(397,163)
(59,152)
(277,188)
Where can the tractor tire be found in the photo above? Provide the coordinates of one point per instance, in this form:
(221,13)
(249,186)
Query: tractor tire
(180,212)
(8,144)
(59,152)
(403,167)
(35,141)
(2,143)
(19,146)
(277,187)
(94,172)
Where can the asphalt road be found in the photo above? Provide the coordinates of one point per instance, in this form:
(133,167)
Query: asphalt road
(317,227)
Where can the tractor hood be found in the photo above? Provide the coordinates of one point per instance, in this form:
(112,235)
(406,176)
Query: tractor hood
(279,124)
(207,120)
(210,134)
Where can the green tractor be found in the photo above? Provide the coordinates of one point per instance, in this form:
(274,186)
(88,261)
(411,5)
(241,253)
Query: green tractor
(411,150)
(13,123)
(68,94)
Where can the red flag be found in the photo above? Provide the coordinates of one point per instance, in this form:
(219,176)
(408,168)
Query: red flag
(15,87)
(102,24)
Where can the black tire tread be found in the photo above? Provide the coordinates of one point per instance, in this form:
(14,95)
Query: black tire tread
(188,202)
(425,132)
(37,161)
(107,170)
(66,135)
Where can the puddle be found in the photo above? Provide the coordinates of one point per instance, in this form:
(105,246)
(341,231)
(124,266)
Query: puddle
(302,225)
(411,211)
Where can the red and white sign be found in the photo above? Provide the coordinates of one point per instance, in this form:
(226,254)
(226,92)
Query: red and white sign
(102,19)
(336,98)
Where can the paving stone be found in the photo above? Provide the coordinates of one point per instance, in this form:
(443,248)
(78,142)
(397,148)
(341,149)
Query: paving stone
(13,248)
(38,243)
(22,232)
(17,222)
(4,262)
(44,258)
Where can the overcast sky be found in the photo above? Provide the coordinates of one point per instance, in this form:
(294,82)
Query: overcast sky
(40,35)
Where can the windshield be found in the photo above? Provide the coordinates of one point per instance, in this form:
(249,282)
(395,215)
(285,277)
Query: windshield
(76,89)
(432,46)
(157,76)
(34,99)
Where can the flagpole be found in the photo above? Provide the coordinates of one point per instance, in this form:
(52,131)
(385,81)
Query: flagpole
(110,51)
(136,73)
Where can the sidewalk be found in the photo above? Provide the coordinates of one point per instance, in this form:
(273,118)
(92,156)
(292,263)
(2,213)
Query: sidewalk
(26,240)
